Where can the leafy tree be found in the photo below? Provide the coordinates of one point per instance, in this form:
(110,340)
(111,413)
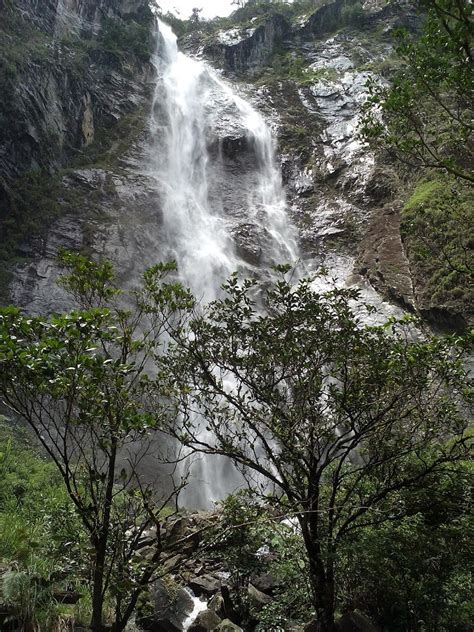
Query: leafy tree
(331,416)
(78,380)
(438,246)
(427,559)
(195,16)
(425,116)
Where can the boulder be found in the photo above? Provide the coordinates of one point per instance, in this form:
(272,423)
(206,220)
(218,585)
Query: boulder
(217,605)
(171,605)
(228,626)
(258,598)
(206,621)
(182,533)
(206,585)
(248,242)
(265,582)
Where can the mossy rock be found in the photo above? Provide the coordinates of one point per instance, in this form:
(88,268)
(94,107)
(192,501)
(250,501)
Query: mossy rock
(437,232)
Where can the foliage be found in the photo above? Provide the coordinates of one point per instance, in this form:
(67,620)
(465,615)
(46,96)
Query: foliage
(291,66)
(40,535)
(416,573)
(123,38)
(252,540)
(33,203)
(438,244)
(425,116)
(79,381)
(352,13)
(336,416)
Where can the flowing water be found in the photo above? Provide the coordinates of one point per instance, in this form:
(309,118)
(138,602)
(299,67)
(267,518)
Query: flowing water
(193,111)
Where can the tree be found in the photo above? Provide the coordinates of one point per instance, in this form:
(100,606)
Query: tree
(195,16)
(331,418)
(79,380)
(426,557)
(425,116)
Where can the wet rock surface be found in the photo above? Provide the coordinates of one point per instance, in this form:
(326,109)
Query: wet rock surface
(335,195)
(170,608)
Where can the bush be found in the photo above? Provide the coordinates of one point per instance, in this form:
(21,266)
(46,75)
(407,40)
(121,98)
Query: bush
(416,574)
(40,535)
(435,231)
(124,38)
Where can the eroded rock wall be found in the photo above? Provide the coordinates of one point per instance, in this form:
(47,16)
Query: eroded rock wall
(75,78)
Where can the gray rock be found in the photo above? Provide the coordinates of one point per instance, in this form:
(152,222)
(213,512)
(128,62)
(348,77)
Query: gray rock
(205,621)
(205,585)
(228,626)
(217,605)
(248,242)
(248,50)
(265,582)
(171,607)
(257,597)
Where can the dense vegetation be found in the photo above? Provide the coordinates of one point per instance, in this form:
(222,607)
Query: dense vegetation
(309,375)
(424,119)
(361,432)
(440,249)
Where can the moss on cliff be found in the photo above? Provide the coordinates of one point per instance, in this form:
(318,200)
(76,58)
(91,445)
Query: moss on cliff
(436,229)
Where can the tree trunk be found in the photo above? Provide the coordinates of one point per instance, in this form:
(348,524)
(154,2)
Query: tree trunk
(98,592)
(323,599)
(321,579)
(98,587)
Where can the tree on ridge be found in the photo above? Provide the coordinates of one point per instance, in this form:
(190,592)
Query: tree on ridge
(79,381)
(332,416)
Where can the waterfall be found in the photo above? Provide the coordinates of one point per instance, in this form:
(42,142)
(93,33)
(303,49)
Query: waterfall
(194,114)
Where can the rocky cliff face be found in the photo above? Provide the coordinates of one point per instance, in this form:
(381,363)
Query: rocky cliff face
(67,78)
(75,111)
(72,73)
(310,78)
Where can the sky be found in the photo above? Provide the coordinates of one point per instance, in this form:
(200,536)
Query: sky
(211,8)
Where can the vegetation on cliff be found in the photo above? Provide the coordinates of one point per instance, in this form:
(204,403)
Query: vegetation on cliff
(439,245)
(425,115)
(424,119)
(351,425)
(354,438)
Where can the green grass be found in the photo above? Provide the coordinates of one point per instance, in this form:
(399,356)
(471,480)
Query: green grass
(40,536)
(436,228)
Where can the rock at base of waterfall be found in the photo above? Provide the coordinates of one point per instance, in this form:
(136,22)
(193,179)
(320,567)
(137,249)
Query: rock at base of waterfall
(170,609)
(228,626)
(205,585)
(205,622)
(258,598)
(217,605)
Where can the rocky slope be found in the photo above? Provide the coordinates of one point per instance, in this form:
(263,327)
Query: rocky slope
(74,94)
(74,139)
(310,77)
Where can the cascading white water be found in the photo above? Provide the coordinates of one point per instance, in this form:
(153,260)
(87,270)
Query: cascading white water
(197,228)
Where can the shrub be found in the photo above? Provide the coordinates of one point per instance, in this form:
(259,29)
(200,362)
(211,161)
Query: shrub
(435,223)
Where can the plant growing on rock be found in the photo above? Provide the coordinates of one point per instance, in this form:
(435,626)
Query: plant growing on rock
(79,380)
(425,116)
(334,417)
(415,573)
